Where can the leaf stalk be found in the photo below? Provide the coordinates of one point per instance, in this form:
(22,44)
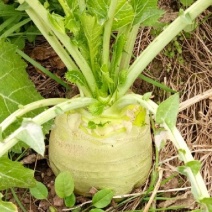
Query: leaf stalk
(72,104)
(27,108)
(160,42)
(127,54)
(40,17)
(107,32)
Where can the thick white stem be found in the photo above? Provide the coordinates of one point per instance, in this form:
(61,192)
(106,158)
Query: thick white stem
(45,116)
(27,108)
(196,180)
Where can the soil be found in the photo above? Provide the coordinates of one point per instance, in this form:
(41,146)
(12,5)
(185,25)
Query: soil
(188,71)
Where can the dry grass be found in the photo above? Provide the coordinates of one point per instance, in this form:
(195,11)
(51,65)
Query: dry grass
(192,79)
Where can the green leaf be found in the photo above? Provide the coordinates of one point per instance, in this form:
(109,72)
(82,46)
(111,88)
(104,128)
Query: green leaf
(182,170)
(93,33)
(13,174)
(102,198)
(147,96)
(146,12)
(191,27)
(72,24)
(72,17)
(57,21)
(181,154)
(8,22)
(186,3)
(7,206)
(92,125)
(134,211)
(39,191)
(22,7)
(12,72)
(99,8)
(58,110)
(208,202)
(195,166)
(52,209)
(19,41)
(73,4)
(156,83)
(151,17)
(31,32)
(96,210)
(77,210)
(75,77)
(15,87)
(186,17)
(118,49)
(8,10)
(64,184)
(96,108)
(124,14)
(70,200)
(32,135)
(167,111)
(123,76)
(66,7)
(106,79)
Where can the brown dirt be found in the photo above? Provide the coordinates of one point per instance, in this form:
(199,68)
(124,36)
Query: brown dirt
(188,72)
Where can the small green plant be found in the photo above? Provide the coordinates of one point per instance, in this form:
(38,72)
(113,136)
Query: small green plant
(104,132)
(64,188)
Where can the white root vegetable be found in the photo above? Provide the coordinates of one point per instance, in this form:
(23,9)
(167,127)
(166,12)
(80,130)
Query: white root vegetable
(116,155)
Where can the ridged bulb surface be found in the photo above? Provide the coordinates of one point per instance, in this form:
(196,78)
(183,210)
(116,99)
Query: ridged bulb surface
(116,155)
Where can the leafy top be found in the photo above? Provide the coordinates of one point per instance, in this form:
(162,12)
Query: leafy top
(97,33)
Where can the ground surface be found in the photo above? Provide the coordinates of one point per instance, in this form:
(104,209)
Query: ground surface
(188,71)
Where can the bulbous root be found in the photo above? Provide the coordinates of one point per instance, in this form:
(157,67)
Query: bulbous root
(120,160)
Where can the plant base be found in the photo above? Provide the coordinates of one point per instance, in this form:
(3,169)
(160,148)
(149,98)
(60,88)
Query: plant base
(119,160)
